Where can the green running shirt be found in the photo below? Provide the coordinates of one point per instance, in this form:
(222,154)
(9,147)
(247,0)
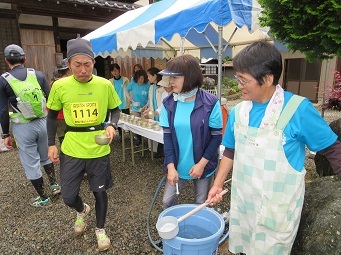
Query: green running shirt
(83,104)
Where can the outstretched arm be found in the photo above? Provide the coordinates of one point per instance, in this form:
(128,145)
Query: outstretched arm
(224,169)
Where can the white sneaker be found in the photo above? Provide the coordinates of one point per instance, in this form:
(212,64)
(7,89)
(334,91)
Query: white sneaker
(102,240)
(80,223)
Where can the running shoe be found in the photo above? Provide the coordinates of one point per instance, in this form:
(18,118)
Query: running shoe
(80,224)
(39,202)
(55,189)
(102,240)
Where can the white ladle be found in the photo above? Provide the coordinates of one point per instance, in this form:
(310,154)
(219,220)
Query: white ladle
(168,226)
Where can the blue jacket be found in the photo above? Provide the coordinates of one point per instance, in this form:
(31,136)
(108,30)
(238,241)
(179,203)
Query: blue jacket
(206,140)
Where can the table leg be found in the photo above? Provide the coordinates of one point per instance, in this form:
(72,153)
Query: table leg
(152,149)
(123,147)
(132,148)
(142,140)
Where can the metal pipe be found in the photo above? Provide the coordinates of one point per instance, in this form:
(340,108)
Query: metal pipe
(220,30)
(324,88)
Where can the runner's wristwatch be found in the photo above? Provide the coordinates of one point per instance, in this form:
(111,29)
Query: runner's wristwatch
(3,136)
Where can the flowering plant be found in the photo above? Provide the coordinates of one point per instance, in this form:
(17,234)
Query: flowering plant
(334,97)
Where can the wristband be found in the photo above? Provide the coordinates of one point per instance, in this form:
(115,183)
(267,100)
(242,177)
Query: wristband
(107,124)
(3,136)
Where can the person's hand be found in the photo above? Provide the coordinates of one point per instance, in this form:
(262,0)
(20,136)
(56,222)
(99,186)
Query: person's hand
(110,132)
(196,171)
(214,195)
(172,176)
(8,143)
(145,112)
(53,154)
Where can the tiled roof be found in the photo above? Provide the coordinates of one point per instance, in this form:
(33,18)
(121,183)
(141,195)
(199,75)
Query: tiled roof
(108,3)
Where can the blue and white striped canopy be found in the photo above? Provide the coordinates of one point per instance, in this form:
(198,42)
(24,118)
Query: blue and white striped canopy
(195,20)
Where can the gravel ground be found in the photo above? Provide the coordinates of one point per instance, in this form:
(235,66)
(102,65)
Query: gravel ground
(28,230)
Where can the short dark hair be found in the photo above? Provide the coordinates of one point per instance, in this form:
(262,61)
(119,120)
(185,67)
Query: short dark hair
(189,67)
(139,73)
(16,60)
(154,70)
(115,65)
(138,65)
(259,59)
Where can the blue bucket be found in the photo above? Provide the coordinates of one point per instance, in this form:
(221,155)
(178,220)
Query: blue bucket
(208,224)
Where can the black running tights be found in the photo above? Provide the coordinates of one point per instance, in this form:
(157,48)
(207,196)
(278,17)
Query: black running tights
(101,208)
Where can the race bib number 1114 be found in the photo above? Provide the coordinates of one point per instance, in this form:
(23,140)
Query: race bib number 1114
(84,112)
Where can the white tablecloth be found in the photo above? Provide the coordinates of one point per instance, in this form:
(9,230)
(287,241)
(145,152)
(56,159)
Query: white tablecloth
(151,134)
(145,132)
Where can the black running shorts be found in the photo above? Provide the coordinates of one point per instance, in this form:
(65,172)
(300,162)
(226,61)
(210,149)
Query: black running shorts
(72,173)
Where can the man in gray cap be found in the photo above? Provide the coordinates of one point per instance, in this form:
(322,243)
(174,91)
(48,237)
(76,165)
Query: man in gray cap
(28,120)
(85,99)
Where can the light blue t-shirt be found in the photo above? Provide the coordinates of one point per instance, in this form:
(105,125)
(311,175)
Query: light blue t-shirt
(118,84)
(139,94)
(184,133)
(306,127)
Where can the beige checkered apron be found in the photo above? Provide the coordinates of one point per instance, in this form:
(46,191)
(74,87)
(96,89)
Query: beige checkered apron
(267,193)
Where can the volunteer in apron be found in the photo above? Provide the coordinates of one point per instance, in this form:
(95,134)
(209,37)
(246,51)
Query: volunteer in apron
(265,141)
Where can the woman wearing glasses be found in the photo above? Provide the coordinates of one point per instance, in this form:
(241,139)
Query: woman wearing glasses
(265,141)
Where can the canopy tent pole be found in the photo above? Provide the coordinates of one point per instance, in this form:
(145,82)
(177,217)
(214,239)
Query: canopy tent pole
(182,48)
(324,88)
(209,41)
(228,42)
(220,60)
(220,69)
(164,41)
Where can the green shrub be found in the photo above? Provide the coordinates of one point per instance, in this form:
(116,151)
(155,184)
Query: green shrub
(231,85)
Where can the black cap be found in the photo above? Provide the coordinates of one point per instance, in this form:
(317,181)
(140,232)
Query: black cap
(13,50)
(79,46)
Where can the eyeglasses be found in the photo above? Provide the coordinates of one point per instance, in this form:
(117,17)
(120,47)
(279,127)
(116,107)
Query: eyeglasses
(241,82)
